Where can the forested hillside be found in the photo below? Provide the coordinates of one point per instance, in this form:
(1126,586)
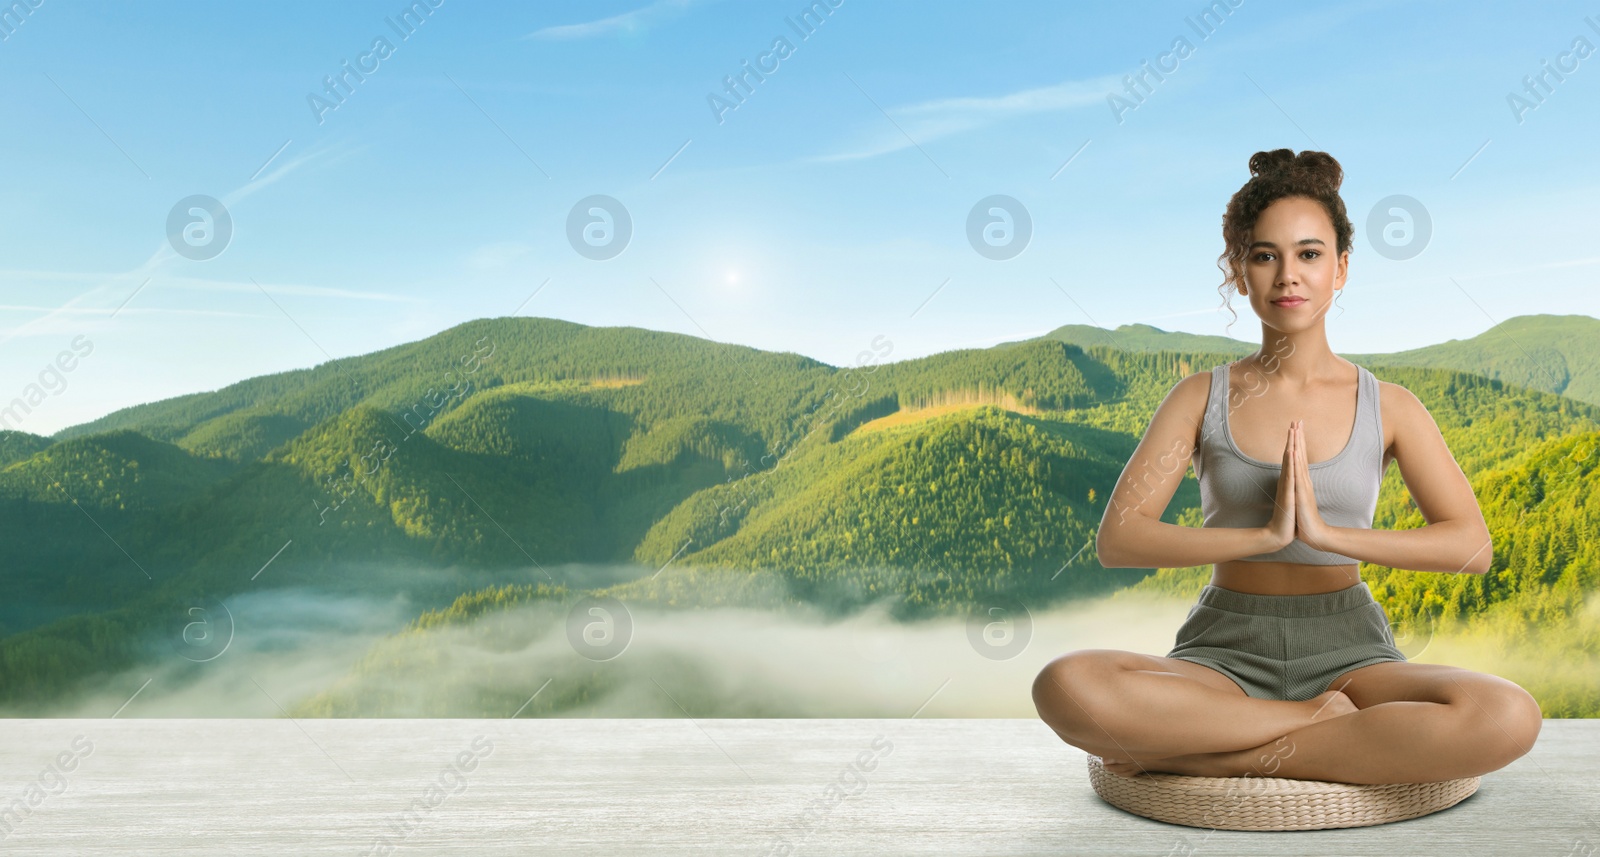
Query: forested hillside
(1553,353)
(724,475)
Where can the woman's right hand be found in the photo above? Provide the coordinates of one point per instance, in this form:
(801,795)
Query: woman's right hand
(1281,526)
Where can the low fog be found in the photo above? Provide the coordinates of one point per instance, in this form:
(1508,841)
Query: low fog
(291,645)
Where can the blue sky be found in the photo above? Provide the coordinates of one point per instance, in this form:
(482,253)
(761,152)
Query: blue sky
(830,207)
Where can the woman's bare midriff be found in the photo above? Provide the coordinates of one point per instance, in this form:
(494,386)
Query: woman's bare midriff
(1284,578)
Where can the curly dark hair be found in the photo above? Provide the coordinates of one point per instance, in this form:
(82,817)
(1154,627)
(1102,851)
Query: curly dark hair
(1273,176)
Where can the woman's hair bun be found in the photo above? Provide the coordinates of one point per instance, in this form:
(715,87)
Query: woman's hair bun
(1319,167)
(1262,163)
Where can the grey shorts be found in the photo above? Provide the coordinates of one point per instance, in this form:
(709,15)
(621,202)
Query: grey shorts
(1286,646)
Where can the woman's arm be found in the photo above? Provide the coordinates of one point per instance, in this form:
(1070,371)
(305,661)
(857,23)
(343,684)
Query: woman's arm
(1455,539)
(1132,534)
(1144,542)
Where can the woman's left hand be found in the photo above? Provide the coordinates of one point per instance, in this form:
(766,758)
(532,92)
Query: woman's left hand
(1308,524)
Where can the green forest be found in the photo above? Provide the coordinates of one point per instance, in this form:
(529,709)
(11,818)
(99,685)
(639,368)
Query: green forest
(727,476)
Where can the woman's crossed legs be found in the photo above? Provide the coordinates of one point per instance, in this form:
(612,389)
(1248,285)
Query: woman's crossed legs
(1390,722)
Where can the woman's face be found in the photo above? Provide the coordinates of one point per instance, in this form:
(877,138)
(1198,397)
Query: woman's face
(1291,253)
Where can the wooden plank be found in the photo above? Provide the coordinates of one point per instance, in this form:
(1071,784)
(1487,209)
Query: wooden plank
(683,786)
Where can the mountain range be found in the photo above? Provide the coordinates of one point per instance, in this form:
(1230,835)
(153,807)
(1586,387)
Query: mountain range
(478,466)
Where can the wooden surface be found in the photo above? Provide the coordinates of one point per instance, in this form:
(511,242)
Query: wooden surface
(677,787)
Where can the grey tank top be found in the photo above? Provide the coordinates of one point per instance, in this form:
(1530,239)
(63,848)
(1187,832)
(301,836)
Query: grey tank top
(1239,491)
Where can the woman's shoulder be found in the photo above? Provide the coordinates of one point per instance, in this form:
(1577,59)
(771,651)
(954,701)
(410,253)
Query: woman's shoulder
(1401,412)
(1195,384)
(1194,389)
(1189,398)
(1397,398)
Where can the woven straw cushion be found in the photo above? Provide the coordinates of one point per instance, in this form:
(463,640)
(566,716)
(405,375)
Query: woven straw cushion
(1272,803)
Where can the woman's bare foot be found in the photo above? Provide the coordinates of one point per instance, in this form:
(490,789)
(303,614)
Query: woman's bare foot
(1229,764)
(1232,763)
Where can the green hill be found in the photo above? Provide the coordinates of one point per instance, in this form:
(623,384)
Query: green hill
(918,514)
(1143,337)
(1554,353)
(509,446)
(116,470)
(938,515)
(245,435)
(18,445)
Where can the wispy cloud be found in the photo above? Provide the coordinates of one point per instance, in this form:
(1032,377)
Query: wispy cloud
(942,117)
(61,322)
(287,289)
(327,152)
(111,291)
(626,22)
(92,310)
(97,312)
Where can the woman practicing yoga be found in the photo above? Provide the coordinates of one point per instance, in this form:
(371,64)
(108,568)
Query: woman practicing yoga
(1287,667)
